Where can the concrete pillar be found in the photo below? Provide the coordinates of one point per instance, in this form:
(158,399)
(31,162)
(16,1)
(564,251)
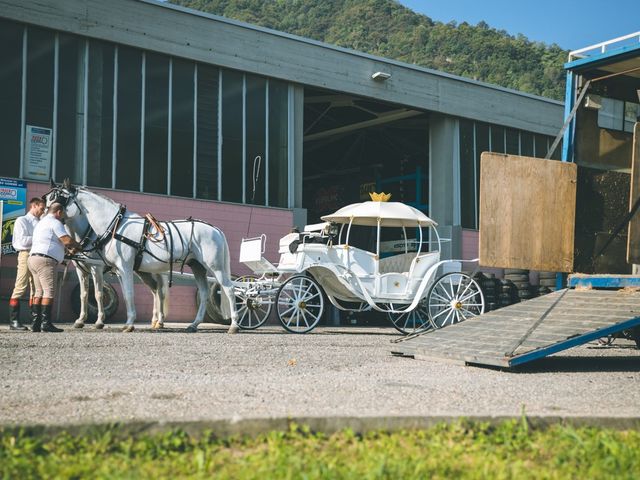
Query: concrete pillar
(444,181)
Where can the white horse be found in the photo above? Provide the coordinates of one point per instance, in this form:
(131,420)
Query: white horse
(92,264)
(127,243)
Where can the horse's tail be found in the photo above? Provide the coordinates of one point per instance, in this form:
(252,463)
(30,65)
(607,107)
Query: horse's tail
(224,302)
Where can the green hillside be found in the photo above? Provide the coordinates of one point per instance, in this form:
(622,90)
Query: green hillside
(388,29)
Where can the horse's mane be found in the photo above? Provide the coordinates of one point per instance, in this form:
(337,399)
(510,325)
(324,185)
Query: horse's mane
(111,201)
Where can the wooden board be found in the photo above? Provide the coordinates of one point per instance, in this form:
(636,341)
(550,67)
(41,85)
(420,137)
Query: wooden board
(527,212)
(633,239)
(529,330)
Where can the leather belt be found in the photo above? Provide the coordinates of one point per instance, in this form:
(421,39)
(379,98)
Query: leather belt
(43,255)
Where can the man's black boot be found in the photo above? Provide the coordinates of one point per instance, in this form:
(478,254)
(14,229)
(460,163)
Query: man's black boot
(47,326)
(36,318)
(14,317)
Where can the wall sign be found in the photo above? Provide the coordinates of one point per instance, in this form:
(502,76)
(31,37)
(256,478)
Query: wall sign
(37,163)
(13,194)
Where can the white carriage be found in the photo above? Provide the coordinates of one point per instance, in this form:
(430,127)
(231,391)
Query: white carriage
(322,262)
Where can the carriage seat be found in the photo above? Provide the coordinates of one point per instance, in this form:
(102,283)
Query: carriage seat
(396,264)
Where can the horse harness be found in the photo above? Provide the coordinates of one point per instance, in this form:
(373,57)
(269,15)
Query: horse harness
(150,229)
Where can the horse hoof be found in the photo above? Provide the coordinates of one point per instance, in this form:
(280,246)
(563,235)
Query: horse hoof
(233,329)
(99,326)
(128,328)
(153,324)
(157,325)
(191,329)
(78,325)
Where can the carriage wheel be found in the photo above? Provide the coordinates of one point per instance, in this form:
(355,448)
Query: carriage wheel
(415,321)
(453,298)
(253,310)
(300,304)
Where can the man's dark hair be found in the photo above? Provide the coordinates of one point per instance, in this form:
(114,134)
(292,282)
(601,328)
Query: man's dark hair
(35,201)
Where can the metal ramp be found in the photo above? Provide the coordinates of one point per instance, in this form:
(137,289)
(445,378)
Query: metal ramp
(529,330)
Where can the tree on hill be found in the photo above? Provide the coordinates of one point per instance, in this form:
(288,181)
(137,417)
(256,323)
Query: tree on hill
(388,29)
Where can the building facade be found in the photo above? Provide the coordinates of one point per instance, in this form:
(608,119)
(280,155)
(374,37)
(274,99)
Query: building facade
(181,113)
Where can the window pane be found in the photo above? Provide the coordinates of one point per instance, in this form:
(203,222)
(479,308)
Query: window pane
(40,53)
(256,171)
(129,117)
(557,154)
(70,108)
(207,146)
(10,96)
(497,139)
(467,175)
(512,142)
(40,47)
(610,114)
(526,144)
(482,145)
(278,149)
(100,121)
(231,136)
(156,123)
(182,129)
(541,146)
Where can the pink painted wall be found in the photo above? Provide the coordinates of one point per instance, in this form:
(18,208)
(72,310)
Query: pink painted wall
(236,221)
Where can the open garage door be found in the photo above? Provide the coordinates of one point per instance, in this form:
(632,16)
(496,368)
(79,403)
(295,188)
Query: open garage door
(354,145)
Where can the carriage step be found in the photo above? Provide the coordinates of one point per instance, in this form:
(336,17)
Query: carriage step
(529,330)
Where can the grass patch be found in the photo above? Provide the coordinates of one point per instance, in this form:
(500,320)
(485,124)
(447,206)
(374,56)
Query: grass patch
(460,450)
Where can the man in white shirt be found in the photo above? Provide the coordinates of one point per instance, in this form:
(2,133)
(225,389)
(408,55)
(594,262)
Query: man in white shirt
(49,242)
(22,239)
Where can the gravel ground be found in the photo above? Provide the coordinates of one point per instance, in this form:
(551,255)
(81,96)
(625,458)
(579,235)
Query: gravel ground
(86,376)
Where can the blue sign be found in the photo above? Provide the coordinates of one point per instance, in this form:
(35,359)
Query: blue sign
(13,194)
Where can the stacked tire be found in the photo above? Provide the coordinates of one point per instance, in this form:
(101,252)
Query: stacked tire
(509,293)
(547,280)
(490,287)
(520,278)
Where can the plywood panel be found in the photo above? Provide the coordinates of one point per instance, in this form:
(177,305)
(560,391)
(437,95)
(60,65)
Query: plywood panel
(633,239)
(527,212)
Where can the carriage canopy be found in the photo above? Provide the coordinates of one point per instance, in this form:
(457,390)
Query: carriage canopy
(391,214)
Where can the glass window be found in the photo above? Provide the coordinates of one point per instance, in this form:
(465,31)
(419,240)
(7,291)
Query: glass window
(557,153)
(129,118)
(256,144)
(40,58)
(207,141)
(541,146)
(497,139)
(156,123)
(513,142)
(526,144)
(467,175)
(278,146)
(610,114)
(631,116)
(10,96)
(70,108)
(182,129)
(100,114)
(232,181)
(482,145)
(40,50)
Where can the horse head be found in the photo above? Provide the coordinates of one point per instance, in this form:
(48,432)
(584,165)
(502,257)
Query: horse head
(65,195)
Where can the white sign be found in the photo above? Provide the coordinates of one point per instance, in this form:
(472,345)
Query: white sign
(37,163)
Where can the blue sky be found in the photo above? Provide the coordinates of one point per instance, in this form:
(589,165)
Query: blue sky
(569,23)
